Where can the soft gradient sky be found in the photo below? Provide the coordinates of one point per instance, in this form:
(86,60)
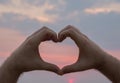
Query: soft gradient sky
(98,19)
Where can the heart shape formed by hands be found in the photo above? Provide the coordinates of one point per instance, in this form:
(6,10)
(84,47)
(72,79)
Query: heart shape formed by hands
(87,58)
(28,52)
(27,57)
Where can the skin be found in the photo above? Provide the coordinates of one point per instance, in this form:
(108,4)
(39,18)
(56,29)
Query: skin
(27,58)
(91,56)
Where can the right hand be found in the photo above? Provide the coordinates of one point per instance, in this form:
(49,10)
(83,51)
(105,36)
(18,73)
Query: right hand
(91,56)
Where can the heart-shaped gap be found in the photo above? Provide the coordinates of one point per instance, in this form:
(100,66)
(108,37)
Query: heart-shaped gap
(60,54)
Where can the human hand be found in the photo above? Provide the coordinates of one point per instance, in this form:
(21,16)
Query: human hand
(27,58)
(91,56)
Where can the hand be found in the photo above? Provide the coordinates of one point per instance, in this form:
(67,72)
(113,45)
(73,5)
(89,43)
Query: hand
(27,57)
(90,55)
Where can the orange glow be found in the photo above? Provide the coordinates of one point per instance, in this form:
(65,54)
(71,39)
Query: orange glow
(60,54)
(114,53)
(60,60)
(71,80)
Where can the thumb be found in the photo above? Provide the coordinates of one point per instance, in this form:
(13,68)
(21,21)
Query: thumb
(51,67)
(76,67)
(70,69)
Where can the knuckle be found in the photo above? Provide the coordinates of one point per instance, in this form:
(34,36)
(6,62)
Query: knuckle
(44,27)
(29,42)
(85,36)
(70,30)
(48,33)
(69,27)
(44,30)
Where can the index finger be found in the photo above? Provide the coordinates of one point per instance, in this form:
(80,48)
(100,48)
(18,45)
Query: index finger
(43,34)
(79,38)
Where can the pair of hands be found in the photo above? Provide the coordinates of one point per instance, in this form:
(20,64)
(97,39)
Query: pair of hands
(27,58)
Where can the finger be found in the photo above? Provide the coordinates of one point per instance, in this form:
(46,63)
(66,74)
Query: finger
(72,69)
(69,33)
(69,69)
(45,34)
(51,67)
(41,35)
(69,27)
(80,39)
(75,29)
(81,65)
(51,35)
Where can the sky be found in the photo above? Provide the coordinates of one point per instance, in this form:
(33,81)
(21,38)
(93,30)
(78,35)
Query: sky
(98,19)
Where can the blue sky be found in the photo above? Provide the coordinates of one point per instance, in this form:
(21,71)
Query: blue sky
(98,19)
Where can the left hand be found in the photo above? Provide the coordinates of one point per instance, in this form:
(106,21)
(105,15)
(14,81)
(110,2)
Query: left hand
(27,58)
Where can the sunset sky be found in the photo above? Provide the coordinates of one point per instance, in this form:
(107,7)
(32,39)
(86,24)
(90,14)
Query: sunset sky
(98,19)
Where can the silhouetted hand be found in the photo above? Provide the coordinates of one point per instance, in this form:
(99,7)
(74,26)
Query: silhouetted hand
(90,55)
(27,57)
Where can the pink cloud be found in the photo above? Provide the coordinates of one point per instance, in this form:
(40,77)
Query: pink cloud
(30,11)
(59,60)
(9,40)
(59,54)
(104,8)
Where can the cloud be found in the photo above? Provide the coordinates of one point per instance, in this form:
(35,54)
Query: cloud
(104,8)
(38,12)
(60,54)
(62,2)
(9,40)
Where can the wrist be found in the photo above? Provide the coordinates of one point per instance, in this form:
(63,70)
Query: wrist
(101,61)
(9,73)
(10,65)
(108,68)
